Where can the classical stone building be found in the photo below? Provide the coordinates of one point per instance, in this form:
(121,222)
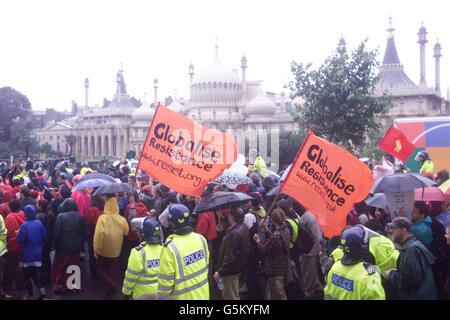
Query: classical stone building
(219,99)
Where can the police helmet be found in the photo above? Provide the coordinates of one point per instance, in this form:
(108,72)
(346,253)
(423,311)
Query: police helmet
(149,229)
(355,245)
(84,163)
(175,215)
(422,156)
(62,175)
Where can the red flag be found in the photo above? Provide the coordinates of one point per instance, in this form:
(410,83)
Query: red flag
(327,180)
(396,144)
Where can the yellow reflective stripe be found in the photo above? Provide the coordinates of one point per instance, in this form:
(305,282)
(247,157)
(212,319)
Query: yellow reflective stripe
(191,288)
(2,250)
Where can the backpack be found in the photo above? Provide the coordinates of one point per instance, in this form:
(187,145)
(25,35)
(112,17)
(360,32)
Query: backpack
(305,239)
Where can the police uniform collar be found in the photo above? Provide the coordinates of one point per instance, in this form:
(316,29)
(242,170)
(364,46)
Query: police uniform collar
(182,231)
(349,260)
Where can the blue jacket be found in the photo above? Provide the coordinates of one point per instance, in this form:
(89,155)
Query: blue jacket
(422,231)
(31,236)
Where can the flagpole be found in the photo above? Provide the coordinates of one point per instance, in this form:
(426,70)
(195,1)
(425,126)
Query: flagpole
(290,171)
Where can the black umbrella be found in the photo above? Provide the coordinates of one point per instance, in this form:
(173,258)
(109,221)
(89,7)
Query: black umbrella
(273,191)
(94,180)
(219,200)
(401,182)
(113,188)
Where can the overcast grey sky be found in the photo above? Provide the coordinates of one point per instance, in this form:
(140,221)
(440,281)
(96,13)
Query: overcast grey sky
(49,47)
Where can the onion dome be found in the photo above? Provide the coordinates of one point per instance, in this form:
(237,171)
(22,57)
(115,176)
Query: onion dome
(215,84)
(176,106)
(143,113)
(261,105)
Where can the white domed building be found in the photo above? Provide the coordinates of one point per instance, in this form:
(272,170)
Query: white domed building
(141,119)
(221,99)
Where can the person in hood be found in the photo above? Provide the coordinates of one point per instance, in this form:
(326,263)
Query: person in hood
(82,197)
(69,234)
(413,278)
(31,235)
(421,224)
(108,237)
(64,193)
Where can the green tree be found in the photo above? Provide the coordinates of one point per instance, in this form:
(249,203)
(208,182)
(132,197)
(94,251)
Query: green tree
(71,140)
(290,142)
(47,150)
(13,106)
(131,154)
(339,97)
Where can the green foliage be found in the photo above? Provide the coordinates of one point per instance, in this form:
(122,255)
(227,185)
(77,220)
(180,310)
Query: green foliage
(47,150)
(339,99)
(130,154)
(13,106)
(290,142)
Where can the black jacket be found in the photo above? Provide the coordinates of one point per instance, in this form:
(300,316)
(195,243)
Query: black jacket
(69,231)
(234,250)
(48,220)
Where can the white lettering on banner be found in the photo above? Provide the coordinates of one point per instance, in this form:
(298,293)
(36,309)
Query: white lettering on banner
(193,257)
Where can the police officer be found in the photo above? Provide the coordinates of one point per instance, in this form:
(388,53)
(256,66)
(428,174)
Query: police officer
(85,168)
(381,250)
(351,278)
(141,276)
(427,165)
(183,273)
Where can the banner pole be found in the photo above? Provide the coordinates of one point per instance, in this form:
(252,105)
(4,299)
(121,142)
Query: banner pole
(273,203)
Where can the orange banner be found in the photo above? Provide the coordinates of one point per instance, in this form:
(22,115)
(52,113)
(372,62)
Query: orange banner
(184,155)
(327,180)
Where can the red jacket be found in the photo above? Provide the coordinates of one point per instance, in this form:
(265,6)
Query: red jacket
(12,223)
(4,208)
(6,187)
(91,217)
(141,211)
(206,225)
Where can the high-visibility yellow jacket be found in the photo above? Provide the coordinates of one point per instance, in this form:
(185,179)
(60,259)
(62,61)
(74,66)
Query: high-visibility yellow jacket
(85,170)
(428,166)
(141,276)
(261,165)
(384,252)
(382,249)
(294,230)
(183,272)
(360,281)
(3,232)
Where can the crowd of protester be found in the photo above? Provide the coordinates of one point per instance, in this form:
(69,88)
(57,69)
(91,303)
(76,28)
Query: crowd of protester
(253,248)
